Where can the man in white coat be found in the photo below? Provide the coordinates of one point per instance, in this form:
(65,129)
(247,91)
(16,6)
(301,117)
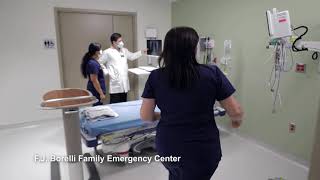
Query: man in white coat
(114,63)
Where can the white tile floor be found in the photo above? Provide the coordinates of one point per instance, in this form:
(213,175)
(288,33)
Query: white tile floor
(242,160)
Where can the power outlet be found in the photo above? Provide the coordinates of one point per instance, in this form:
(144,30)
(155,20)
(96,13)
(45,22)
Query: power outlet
(292,128)
(300,67)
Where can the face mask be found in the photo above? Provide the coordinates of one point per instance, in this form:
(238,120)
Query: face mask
(99,54)
(120,45)
(198,52)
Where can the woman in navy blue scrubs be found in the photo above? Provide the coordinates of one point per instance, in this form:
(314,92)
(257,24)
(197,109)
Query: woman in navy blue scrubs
(91,69)
(185,92)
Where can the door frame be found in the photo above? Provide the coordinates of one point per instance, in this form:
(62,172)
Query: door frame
(58,10)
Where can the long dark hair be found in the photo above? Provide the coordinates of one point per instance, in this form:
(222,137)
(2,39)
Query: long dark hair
(93,48)
(179,57)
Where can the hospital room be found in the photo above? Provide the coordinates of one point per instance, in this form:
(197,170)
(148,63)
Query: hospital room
(160,89)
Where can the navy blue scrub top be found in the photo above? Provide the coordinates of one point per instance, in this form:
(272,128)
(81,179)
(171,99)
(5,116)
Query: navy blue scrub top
(93,67)
(187,126)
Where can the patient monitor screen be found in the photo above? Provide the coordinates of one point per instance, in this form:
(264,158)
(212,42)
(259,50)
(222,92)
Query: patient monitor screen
(154,47)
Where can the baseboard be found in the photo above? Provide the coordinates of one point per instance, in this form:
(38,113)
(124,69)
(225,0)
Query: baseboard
(267,147)
(30,123)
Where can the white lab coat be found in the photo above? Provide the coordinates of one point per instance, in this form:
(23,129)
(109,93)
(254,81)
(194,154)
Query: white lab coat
(114,64)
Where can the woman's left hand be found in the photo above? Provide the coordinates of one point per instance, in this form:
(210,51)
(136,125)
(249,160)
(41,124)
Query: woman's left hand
(102,96)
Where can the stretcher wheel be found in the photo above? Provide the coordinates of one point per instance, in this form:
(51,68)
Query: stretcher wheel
(102,154)
(150,151)
(121,164)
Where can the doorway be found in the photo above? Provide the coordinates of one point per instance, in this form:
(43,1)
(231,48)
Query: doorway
(76,29)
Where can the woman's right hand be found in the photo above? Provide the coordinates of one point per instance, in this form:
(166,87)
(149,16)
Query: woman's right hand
(234,111)
(235,123)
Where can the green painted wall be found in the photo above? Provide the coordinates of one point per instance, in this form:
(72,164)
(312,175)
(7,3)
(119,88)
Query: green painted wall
(244,23)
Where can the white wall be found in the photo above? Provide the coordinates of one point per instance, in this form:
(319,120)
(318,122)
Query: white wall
(27,70)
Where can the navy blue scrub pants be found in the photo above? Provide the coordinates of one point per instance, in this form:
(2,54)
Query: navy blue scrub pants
(97,95)
(118,97)
(177,171)
(199,159)
(98,103)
